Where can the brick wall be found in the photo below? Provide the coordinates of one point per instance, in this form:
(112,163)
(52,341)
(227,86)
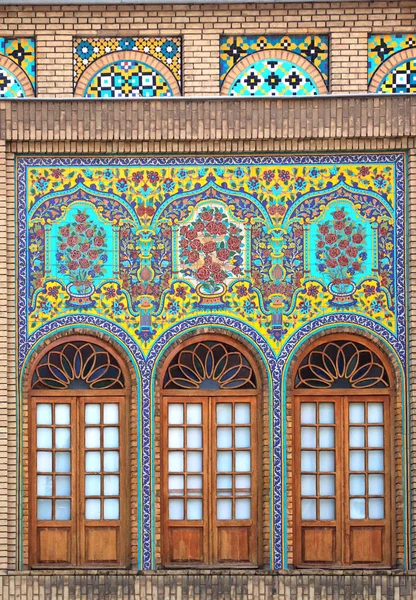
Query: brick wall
(347,23)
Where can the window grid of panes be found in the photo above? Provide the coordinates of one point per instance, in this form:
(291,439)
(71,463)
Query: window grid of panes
(366,460)
(102,461)
(185,461)
(233,460)
(53,461)
(317,461)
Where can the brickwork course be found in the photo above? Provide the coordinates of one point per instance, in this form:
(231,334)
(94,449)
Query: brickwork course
(345,121)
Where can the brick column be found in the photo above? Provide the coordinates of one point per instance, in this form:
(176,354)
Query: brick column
(201,63)
(348,58)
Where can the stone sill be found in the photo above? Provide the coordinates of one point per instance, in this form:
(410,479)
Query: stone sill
(214,572)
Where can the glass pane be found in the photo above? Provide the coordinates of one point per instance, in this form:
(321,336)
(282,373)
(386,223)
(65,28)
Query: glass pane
(376,508)
(111,485)
(44,485)
(111,437)
(308,413)
(92,462)
(326,413)
(327,460)
(62,414)
(44,510)
(308,509)
(225,485)
(376,485)
(44,462)
(242,484)
(92,414)
(375,437)
(44,437)
(224,414)
(111,508)
(224,461)
(357,437)
(194,509)
(242,437)
(242,413)
(242,508)
(308,485)
(357,485)
(176,485)
(326,437)
(327,510)
(308,460)
(111,414)
(357,508)
(175,414)
(93,509)
(93,485)
(62,510)
(44,414)
(375,412)
(357,460)
(356,410)
(175,437)
(194,485)
(224,509)
(194,437)
(63,485)
(176,510)
(63,438)
(194,462)
(327,485)
(242,461)
(63,462)
(175,462)
(224,437)
(92,437)
(194,414)
(308,437)
(375,460)
(111,461)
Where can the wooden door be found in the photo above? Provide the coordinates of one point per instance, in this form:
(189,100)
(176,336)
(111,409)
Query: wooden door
(209,498)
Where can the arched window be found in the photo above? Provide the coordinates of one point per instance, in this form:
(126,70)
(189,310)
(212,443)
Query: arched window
(209,456)
(77,459)
(342,456)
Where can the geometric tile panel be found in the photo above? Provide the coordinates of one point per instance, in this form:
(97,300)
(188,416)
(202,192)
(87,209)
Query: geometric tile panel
(400,80)
(313,48)
(22,52)
(128,79)
(167,50)
(9,85)
(273,78)
(382,47)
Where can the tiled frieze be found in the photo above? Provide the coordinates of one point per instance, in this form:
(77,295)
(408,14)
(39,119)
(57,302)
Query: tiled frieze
(274,248)
(17,67)
(392,63)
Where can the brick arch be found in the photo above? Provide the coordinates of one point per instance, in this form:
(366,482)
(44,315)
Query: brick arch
(276,54)
(113,57)
(397,387)
(20,75)
(98,337)
(264,427)
(390,64)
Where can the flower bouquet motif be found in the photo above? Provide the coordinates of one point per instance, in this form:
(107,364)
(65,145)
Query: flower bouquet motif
(341,253)
(82,246)
(210,251)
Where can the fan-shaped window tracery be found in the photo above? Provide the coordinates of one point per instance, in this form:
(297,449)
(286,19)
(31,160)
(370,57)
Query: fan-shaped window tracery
(211,366)
(341,365)
(78,365)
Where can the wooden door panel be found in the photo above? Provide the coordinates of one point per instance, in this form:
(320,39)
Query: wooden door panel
(367,545)
(102,545)
(235,545)
(319,545)
(186,544)
(54,546)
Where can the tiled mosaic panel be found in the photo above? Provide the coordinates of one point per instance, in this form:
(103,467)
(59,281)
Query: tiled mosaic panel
(167,50)
(313,48)
(22,52)
(128,79)
(382,47)
(400,80)
(9,85)
(273,78)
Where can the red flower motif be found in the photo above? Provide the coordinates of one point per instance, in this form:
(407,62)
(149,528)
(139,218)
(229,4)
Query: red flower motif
(141,211)
(137,176)
(364,171)
(383,231)
(218,216)
(195,244)
(331,238)
(356,265)
(268,176)
(221,229)
(331,263)
(218,277)
(62,246)
(72,240)
(84,263)
(357,238)
(212,228)
(98,241)
(343,244)
(93,254)
(206,216)
(85,246)
(208,247)
(193,257)
(56,173)
(223,254)
(150,211)
(65,231)
(89,233)
(216,267)
(348,230)
(75,254)
(334,252)
(233,243)
(183,243)
(343,261)
(281,209)
(203,274)
(236,271)
(153,176)
(273,210)
(339,215)
(199,227)
(73,265)
(351,251)
(323,229)
(191,234)
(321,244)
(339,225)
(80,217)
(298,232)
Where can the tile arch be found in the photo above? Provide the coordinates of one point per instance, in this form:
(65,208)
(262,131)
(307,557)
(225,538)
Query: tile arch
(387,66)
(19,74)
(276,54)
